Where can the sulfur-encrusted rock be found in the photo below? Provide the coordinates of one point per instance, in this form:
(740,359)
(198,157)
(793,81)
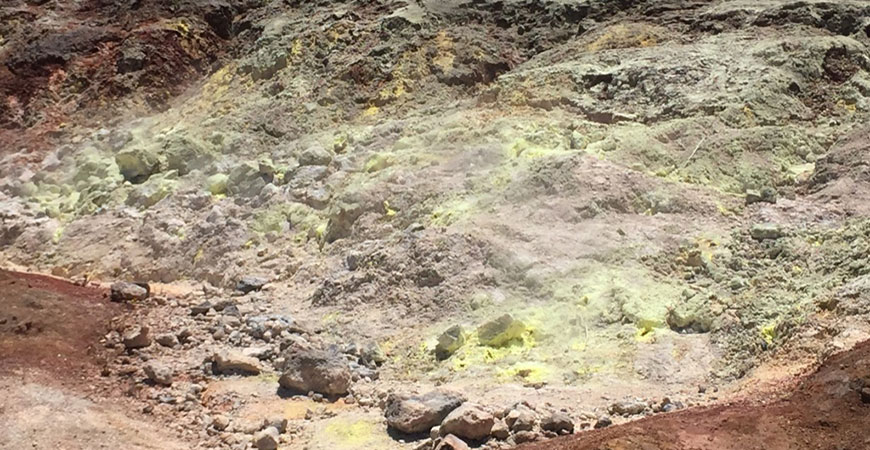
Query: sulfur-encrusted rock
(217,184)
(184,153)
(152,190)
(449,341)
(500,331)
(137,164)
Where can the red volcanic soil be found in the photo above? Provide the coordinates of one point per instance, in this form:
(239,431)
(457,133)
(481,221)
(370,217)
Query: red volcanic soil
(59,59)
(827,410)
(52,325)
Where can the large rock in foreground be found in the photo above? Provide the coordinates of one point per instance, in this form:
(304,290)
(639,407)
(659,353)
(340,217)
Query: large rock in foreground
(418,414)
(316,371)
(469,422)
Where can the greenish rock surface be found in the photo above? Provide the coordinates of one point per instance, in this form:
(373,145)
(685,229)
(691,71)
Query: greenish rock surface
(183,153)
(692,315)
(379,161)
(245,180)
(315,155)
(500,331)
(449,341)
(217,184)
(765,231)
(137,164)
(153,190)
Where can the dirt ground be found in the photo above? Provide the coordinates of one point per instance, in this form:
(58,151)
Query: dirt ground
(50,370)
(52,325)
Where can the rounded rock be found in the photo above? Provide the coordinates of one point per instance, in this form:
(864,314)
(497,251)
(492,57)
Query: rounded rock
(469,421)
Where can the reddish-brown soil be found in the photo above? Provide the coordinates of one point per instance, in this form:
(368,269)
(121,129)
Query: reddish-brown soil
(50,364)
(62,57)
(825,411)
(51,325)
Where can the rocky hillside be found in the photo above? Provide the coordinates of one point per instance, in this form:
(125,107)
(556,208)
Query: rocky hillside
(567,213)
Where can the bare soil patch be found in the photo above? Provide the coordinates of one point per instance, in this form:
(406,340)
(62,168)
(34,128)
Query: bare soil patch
(51,325)
(826,410)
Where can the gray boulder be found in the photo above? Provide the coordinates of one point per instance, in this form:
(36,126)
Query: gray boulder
(267,439)
(136,337)
(559,423)
(246,180)
(278,422)
(315,371)
(603,422)
(628,407)
(158,373)
(767,195)
(250,284)
(764,231)
(123,291)
(521,420)
(220,422)
(260,352)
(167,340)
(230,362)
(418,414)
(449,341)
(469,422)
(315,155)
(522,437)
(500,430)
